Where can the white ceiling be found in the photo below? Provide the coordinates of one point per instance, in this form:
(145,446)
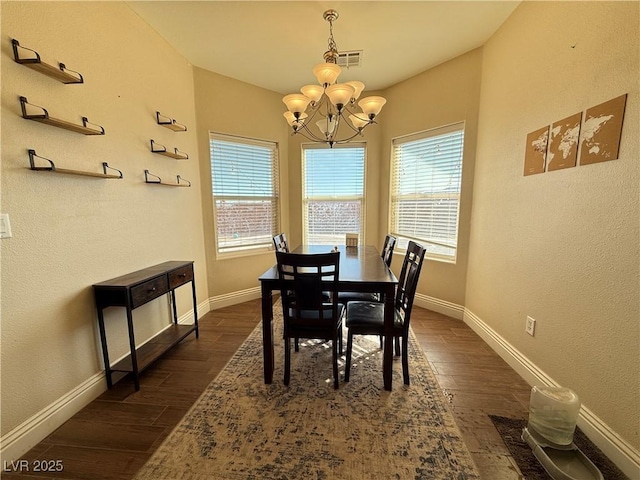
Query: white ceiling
(275,44)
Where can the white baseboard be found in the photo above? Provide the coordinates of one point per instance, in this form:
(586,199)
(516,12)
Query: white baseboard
(612,445)
(234,298)
(25,436)
(441,306)
(21,439)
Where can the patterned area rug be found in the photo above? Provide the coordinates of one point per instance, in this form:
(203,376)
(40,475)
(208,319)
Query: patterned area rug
(242,429)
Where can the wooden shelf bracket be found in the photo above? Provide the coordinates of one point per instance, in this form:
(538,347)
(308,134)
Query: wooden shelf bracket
(51,167)
(87,128)
(62,73)
(162,150)
(151,178)
(170,123)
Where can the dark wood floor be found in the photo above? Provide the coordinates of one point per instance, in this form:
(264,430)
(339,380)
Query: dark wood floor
(113,436)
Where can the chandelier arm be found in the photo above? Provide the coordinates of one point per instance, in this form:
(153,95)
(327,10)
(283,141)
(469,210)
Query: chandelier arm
(309,134)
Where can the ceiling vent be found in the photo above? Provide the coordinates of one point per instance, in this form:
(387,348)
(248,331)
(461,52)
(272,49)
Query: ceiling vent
(350,59)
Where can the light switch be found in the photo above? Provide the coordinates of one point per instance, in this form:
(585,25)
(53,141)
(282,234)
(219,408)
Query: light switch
(5,226)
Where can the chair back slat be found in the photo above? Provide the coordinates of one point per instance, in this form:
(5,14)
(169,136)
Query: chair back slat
(408,281)
(307,279)
(280,243)
(387,249)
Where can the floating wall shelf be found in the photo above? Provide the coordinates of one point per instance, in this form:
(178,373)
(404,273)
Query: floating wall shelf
(151,178)
(163,151)
(45,118)
(62,73)
(52,168)
(170,123)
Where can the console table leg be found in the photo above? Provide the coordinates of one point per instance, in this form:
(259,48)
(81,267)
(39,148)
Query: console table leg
(132,345)
(105,349)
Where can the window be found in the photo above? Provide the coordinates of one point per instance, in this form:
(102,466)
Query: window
(244,178)
(333,193)
(426,176)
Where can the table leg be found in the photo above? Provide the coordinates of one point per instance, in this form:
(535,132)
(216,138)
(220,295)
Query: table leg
(267,333)
(387,361)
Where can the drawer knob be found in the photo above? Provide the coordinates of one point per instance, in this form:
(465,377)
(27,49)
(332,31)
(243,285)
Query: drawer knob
(152,289)
(182,275)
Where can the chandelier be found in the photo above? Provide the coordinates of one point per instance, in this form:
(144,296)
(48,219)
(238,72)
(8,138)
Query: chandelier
(326,105)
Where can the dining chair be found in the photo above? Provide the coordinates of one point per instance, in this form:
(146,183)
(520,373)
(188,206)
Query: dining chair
(367,318)
(387,255)
(305,309)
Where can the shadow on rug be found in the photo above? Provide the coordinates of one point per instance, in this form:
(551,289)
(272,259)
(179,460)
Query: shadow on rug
(510,430)
(241,428)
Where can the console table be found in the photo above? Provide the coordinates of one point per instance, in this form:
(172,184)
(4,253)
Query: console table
(133,290)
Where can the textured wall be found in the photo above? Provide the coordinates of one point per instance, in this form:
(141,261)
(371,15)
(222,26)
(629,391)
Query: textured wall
(70,232)
(562,246)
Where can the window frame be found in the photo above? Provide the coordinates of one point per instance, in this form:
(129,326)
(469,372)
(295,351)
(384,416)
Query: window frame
(361,198)
(404,238)
(263,247)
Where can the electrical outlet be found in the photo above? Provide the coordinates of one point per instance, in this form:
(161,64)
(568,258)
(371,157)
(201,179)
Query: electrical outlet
(530,328)
(5,226)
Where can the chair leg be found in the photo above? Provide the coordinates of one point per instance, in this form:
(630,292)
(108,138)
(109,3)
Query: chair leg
(381,342)
(334,349)
(287,360)
(405,359)
(397,342)
(296,345)
(347,368)
(340,339)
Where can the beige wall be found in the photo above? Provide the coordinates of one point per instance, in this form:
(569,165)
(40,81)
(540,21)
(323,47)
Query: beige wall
(562,246)
(441,96)
(225,105)
(70,232)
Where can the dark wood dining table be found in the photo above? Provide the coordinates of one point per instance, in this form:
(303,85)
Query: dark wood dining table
(361,270)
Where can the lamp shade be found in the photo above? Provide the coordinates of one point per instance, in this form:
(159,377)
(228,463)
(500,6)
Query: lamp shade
(327,126)
(371,106)
(291,118)
(359,122)
(296,102)
(326,73)
(312,92)
(358,86)
(340,93)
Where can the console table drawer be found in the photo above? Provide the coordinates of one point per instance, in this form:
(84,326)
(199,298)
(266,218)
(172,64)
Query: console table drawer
(180,276)
(147,291)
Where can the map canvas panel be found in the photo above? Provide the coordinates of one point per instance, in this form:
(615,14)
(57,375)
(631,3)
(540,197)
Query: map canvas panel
(535,153)
(601,131)
(563,146)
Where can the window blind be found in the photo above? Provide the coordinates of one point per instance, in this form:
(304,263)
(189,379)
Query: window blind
(333,193)
(425,189)
(244,175)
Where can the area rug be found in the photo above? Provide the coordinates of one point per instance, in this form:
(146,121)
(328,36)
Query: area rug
(510,430)
(242,429)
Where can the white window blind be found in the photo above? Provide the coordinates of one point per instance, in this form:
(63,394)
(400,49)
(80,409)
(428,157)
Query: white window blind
(333,193)
(425,190)
(244,178)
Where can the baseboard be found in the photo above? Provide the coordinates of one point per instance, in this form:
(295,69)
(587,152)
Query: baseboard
(31,432)
(441,306)
(613,446)
(234,298)
(24,437)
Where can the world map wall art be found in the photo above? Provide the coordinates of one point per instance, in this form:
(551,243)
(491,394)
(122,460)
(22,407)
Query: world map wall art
(594,137)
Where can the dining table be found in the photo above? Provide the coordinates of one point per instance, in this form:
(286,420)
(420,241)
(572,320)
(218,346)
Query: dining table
(362,269)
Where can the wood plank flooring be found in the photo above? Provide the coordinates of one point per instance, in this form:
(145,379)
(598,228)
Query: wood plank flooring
(112,437)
